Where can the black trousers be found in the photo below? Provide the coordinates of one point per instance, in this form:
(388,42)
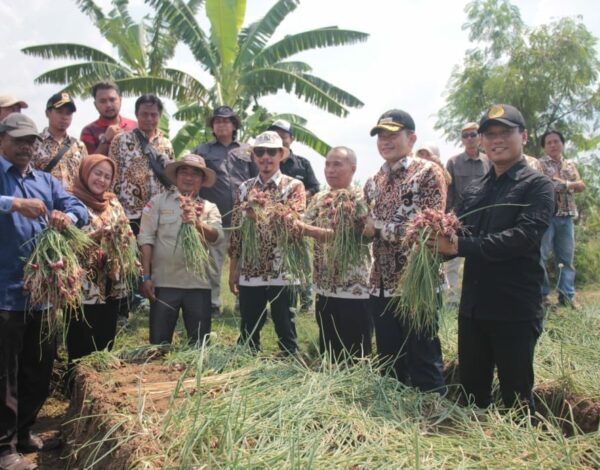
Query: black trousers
(26,359)
(413,359)
(164,313)
(509,346)
(253,310)
(94,330)
(344,326)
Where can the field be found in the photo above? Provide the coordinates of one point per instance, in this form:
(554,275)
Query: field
(219,407)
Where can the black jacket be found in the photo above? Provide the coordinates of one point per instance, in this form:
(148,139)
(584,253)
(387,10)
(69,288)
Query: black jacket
(501,244)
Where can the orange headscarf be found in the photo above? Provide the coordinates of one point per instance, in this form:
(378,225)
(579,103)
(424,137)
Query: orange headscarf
(97,202)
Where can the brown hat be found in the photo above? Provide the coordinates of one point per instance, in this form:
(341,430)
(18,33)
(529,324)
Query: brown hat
(470,125)
(9,100)
(195,161)
(18,125)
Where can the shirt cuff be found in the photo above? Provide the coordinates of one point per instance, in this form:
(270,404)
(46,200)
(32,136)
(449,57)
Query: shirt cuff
(467,246)
(6,203)
(73,217)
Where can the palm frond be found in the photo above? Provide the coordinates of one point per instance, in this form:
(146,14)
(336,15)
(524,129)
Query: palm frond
(188,137)
(307,40)
(194,89)
(135,86)
(191,112)
(226,18)
(68,51)
(181,20)
(337,93)
(253,38)
(90,8)
(308,138)
(87,72)
(298,67)
(121,8)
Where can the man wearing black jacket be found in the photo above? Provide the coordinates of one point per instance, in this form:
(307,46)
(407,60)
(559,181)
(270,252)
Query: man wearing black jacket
(506,213)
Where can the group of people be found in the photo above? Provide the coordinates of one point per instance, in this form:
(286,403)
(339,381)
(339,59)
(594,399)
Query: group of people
(124,172)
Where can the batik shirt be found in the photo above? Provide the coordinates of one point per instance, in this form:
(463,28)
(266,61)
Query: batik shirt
(395,195)
(267,270)
(136,183)
(564,170)
(67,169)
(96,280)
(327,279)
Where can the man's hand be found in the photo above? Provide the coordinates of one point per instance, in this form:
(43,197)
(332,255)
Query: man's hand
(234,276)
(369,230)
(147,289)
(111,132)
(443,245)
(59,220)
(30,208)
(188,216)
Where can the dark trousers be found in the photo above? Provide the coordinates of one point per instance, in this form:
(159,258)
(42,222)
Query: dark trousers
(509,346)
(164,313)
(344,326)
(413,359)
(26,359)
(253,310)
(94,330)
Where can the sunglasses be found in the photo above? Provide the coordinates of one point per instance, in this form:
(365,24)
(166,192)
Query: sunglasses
(471,135)
(260,151)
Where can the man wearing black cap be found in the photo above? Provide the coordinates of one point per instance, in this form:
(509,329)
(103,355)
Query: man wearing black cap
(232,162)
(397,192)
(57,152)
(300,168)
(500,315)
(29,200)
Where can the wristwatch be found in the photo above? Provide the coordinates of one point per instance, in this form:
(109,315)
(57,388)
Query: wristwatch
(145,277)
(102,139)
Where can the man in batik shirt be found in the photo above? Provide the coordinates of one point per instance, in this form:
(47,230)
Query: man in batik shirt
(264,280)
(397,192)
(137,181)
(57,152)
(342,294)
(560,236)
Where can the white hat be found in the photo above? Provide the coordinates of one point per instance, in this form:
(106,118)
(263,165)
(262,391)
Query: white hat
(271,139)
(9,100)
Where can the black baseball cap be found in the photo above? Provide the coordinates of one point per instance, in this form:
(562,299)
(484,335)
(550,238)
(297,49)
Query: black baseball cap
(501,114)
(60,100)
(394,120)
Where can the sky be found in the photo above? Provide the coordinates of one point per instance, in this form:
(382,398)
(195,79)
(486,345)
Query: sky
(405,63)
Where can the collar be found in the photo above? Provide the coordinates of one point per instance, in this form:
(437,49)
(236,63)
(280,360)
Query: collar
(234,143)
(276,178)
(404,162)
(476,158)
(514,172)
(45,135)
(101,122)
(548,158)
(5,165)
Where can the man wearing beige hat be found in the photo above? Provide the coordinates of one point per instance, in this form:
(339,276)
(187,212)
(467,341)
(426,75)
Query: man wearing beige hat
(263,281)
(463,168)
(57,152)
(10,104)
(166,281)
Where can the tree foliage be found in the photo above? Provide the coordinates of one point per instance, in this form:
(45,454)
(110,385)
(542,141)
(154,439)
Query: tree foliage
(243,63)
(549,72)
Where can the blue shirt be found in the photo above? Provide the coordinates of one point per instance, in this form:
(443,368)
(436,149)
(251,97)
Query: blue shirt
(17,231)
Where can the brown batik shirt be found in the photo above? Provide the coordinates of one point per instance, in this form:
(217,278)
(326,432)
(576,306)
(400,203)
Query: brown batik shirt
(395,195)
(136,183)
(567,171)
(328,281)
(267,270)
(67,169)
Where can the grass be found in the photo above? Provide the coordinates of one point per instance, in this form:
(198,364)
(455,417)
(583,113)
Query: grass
(229,409)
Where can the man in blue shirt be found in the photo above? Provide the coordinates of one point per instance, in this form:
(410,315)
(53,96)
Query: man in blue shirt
(28,197)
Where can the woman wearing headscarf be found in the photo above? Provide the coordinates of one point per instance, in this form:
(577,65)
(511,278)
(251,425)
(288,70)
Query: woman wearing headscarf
(94,329)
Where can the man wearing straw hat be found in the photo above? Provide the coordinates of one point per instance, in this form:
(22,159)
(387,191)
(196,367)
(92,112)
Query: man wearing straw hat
(167,280)
(264,281)
(27,196)
(9,104)
(505,213)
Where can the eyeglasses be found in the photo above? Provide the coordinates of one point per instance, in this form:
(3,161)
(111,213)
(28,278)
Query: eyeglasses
(469,135)
(503,134)
(260,151)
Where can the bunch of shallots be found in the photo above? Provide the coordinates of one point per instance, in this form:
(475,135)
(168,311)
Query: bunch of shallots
(192,241)
(417,297)
(118,253)
(254,210)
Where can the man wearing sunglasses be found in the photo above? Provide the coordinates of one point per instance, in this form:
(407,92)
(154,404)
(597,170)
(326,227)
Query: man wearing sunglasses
(464,168)
(262,281)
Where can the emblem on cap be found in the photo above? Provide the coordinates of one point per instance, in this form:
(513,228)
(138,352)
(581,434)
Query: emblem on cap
(496,111)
